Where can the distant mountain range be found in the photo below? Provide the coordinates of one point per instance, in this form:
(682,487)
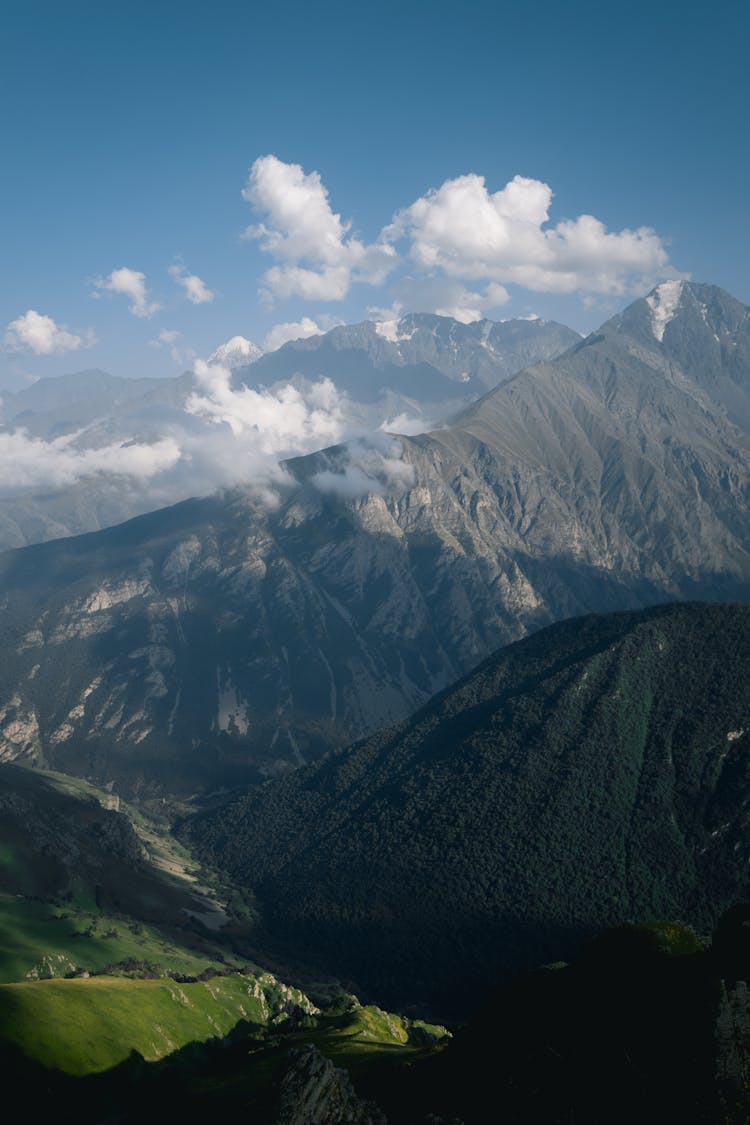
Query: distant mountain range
(592,774)
(411,373)
(223,640)
(418,364)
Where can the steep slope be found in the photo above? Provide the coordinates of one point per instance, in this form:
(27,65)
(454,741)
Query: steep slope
(593,773)
(227,639)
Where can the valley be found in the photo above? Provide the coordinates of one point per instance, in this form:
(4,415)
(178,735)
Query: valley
(447,727)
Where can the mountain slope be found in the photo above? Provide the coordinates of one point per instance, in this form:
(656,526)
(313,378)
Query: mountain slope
(226,639)
(593,773)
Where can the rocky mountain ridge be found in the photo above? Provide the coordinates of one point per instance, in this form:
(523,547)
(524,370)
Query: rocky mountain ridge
(226,639)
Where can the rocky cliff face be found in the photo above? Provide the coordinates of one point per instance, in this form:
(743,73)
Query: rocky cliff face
(315,1092)
(225,639)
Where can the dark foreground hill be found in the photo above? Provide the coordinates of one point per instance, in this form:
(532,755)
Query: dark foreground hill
(646,1025)
(594,773)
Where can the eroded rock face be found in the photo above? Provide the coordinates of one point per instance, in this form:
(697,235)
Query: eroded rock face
(315,1092)
(223,640)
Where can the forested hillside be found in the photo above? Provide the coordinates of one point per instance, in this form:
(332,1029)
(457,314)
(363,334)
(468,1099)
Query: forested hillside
(594,773)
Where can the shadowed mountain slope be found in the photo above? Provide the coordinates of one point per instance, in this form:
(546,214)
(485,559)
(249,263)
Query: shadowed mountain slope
(594,773)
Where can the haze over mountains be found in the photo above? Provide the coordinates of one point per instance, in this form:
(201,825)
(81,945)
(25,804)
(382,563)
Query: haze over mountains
(226,639)
(89,450)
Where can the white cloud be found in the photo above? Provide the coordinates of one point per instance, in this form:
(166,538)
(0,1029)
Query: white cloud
(30,462)
(407,424)
(37,334)
(196,290)
(280,422)
(463,231)
(448,297)
(366,466)
(131,283)
(317,257)
(291,330)
(168,338)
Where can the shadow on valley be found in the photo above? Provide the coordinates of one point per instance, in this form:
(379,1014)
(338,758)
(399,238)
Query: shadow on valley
(645,1024)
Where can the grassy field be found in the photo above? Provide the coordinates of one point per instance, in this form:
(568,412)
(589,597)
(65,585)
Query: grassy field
(96,922)
(85,1026)
(82,1026)
(43,939)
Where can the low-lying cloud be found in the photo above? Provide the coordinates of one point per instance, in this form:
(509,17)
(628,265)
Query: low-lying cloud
(221,436)
(29,462)
(366,466)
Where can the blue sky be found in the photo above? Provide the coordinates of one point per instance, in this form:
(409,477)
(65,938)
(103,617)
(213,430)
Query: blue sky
(129,132)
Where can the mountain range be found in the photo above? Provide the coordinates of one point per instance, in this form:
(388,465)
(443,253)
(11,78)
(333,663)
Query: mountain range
(227,639)
(413,372)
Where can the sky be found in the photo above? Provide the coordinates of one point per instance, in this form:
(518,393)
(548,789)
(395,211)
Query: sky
(179,174)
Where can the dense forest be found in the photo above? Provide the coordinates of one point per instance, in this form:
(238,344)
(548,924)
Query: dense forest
(592,774)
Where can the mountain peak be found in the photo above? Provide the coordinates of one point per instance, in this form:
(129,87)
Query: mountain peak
(237,352)
(664,301)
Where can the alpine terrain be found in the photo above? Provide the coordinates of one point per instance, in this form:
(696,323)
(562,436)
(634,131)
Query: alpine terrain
(230,638)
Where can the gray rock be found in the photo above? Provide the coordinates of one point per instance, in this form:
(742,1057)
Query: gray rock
(315,1092)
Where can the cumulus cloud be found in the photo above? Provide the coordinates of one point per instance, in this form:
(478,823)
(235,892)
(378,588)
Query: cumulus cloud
(281,421)
(463,231)
(196,290)
(317,256)
(448,297)
(291,330)
(37,334)
(132,284)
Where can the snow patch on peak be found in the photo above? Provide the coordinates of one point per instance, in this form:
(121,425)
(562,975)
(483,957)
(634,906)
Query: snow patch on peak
(237,352)
(664,302)
(389,330)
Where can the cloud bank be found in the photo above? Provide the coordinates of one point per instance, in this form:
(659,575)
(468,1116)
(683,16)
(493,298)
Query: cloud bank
(456,235)
(27,462)
(464,231)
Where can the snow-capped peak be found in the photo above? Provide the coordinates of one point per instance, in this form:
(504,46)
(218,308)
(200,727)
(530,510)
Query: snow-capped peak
(237,352)
(664,302)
